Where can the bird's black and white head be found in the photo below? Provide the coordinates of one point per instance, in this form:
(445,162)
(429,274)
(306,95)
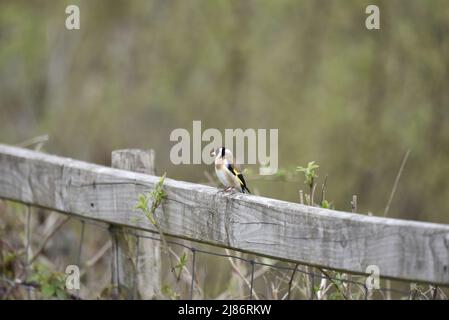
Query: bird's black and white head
(222,153)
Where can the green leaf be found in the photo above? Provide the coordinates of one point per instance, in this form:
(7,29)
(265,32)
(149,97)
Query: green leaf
(325,204)
(33,278)
(181,263)
(309,172)
(48,290)
(183,259)
(61,294)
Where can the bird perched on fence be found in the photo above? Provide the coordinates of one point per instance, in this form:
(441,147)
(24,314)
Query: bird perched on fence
(227,171)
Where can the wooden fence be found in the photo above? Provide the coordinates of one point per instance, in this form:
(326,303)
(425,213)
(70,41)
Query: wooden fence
(404,250)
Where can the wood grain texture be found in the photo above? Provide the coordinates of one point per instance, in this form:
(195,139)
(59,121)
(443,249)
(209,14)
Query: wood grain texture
(327,238)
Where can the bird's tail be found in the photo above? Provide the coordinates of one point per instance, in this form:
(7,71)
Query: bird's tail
(245,189)
(242,183)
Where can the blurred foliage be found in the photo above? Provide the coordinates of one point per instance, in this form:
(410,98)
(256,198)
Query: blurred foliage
(353,100)
(309,173)
(51,284)
(214,275)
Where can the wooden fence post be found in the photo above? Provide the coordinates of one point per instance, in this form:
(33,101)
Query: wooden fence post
(148,251)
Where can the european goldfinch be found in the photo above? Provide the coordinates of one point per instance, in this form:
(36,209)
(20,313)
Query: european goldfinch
(226,171)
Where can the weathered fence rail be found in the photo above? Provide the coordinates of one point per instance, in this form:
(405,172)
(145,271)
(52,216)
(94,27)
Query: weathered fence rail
(405,250)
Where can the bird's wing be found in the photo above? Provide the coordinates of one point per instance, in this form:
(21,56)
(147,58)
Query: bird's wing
(236,165)
(238,175)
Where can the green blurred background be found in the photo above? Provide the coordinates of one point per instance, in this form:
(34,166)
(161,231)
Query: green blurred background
(351,99)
